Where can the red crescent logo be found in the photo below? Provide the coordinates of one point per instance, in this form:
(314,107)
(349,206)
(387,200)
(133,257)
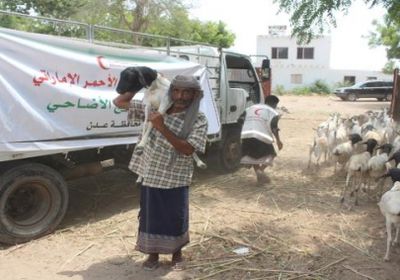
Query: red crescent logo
(256,112)
(100,62)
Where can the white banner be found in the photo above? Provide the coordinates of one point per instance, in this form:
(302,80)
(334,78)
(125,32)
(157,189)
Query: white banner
(56,94)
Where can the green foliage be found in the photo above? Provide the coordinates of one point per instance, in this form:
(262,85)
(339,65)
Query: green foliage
(304,90)
(342,84)
(279,90)
(212,33)
(160,17)
(388,35)
(389,67)
(61,9)
(319,86)
(310,18)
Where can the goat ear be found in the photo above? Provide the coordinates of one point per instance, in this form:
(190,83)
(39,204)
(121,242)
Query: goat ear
(141,79)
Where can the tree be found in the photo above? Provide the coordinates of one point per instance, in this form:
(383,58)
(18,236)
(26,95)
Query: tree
(213,33)
(161,17)
(310,18)
(389,67)
(61,9)
(58,9)
(388,34)
(169,18)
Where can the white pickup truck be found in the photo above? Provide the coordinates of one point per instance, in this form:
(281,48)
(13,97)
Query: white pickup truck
(57,116)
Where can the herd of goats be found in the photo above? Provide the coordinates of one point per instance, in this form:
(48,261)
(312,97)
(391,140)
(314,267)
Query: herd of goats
(366,147)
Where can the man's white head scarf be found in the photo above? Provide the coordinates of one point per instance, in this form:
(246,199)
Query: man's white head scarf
(188,82)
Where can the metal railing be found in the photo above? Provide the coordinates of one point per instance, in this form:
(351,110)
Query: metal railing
(98,34)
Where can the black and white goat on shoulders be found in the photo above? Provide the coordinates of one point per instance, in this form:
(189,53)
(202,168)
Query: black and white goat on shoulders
(155,96)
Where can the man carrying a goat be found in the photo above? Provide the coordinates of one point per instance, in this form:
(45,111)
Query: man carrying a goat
(166,168)
(259,130)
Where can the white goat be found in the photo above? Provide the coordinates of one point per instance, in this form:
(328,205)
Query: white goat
(319,147)
(378,165)
(390,208)
(396,144)
(156,97)
(342,152)
(357,168)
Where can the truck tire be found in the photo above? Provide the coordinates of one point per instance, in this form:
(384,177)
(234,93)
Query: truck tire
(230,151)
(388,97)
(33,201)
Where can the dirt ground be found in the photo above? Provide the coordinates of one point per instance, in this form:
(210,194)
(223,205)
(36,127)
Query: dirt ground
(293,227)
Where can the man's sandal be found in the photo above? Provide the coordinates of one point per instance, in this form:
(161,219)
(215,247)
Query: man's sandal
(178,266)
(150,265)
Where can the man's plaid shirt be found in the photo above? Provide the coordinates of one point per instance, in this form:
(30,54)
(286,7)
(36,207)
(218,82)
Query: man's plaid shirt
(160,165)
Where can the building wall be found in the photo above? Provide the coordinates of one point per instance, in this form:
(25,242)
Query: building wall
(283,76)
(321,51)
(293,72)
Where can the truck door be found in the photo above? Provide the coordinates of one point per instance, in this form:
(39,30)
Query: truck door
(243,87)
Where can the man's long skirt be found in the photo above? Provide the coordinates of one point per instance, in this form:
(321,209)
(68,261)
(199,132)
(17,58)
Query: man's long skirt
(163,220)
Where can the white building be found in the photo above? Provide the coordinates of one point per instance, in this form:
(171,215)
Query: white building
(295,65)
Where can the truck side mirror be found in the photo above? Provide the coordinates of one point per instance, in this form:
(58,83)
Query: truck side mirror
(265,70)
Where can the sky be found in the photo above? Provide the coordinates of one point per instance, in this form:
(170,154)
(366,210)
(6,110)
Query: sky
(249,18)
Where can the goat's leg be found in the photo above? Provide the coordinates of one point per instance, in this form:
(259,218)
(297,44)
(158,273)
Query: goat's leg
(348,177)
(355,191)
(199,162)
(310,155)
(389,239)
(379,189)
(165,104)
(319,158)
(359,185)
(146,130)
(396,238)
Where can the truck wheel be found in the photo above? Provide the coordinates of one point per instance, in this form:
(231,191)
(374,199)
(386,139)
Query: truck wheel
(351,97)
(230,151)
(33,201)
(388,97)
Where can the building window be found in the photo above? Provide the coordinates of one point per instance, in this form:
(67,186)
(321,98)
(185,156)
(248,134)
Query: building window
(371,78)
(296,78)
(351,80)
(305,53)
(280,53)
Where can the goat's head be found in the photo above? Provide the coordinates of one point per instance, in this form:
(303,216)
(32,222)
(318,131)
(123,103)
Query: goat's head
(355,138)
(133,79)
(386,148)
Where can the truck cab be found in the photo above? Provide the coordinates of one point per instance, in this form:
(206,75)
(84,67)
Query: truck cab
(236,86)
